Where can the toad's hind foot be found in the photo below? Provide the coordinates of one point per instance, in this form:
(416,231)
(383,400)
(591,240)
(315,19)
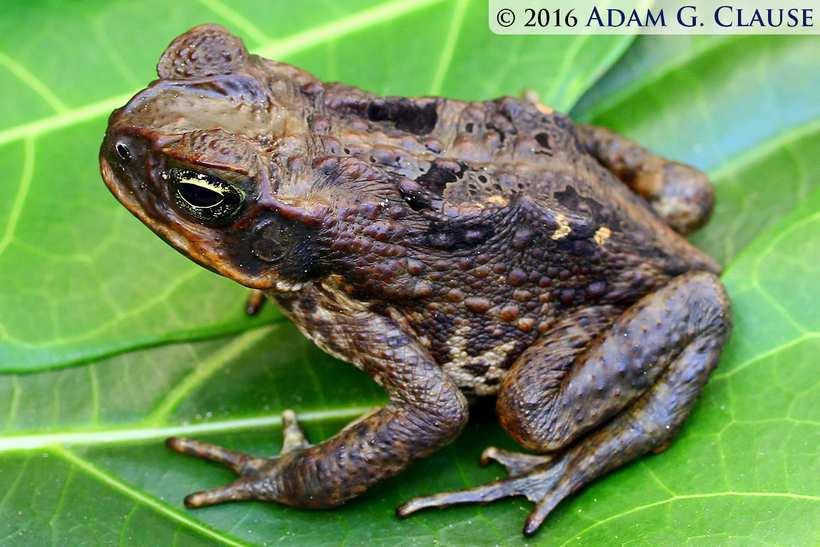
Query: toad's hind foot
(547,479)
(650,423)
(541,479)
(253,470)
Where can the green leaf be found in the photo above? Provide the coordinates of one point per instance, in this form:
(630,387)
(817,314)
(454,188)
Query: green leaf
(745,109)
(81,281)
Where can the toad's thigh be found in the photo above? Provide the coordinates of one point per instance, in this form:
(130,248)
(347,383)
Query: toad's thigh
(683,325)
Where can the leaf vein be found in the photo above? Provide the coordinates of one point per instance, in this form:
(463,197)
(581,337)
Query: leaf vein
(126,521)
(456,24)
(691,497)
(10,490)
(34,83)
(20,198)
(205,370)
(764,149)
(160,298)
(94,384)
(655,75)
(567,64)
(761,356)
(58,506)
(279,48)
(14,404)
(138,432)
(237,20)
(342,27)
(140,497)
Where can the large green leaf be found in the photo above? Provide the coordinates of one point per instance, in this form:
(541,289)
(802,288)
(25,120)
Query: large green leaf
(81,281)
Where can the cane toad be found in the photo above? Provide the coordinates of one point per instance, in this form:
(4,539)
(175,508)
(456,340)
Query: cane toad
(444,247)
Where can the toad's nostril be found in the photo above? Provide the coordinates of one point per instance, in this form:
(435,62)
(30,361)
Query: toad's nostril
(123,151)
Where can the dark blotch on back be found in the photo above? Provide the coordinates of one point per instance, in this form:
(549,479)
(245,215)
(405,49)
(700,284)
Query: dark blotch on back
(417,198)
(588,208)
(439,175)
(453,237)
(415,116)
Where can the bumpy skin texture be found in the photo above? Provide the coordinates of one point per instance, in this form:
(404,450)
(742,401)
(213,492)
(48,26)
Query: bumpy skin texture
(444,247)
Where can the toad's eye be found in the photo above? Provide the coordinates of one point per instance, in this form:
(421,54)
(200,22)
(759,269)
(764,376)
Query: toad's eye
(203,196)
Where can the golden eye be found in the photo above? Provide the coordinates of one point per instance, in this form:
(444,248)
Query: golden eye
(205,197)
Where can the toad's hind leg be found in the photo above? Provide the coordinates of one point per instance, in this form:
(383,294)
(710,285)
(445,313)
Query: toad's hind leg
(682,195)
(595,407)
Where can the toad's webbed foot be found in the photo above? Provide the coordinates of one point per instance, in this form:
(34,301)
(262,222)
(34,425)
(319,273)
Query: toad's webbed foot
(547,479)
(541,479)
(254,471)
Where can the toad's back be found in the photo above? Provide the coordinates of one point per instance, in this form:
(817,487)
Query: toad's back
(507,224)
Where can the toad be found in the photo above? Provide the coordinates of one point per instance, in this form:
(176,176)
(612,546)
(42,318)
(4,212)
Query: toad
(445,248)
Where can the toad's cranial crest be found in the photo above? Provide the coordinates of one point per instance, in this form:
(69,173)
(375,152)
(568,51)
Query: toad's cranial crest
(443,247)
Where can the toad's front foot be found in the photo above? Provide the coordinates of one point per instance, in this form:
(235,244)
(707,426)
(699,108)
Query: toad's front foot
(544,480)
(258,476)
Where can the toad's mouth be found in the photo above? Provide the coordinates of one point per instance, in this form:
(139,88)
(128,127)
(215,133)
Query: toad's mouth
(128,198)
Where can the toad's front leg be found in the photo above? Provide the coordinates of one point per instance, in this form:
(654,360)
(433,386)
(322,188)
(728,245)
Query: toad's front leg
(426,411)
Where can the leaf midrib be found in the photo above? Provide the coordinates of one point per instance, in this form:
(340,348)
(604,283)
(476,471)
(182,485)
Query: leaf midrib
(140,431)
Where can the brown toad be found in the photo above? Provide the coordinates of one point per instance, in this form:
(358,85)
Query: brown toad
(442,246)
